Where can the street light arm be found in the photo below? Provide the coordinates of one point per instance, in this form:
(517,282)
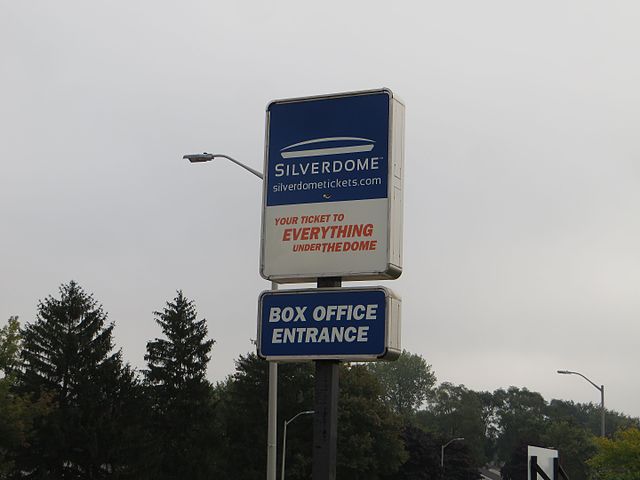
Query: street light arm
(451,441)
(457,439)
(207,157)
(569,372)
(600,389)
(255,172)
(306,412)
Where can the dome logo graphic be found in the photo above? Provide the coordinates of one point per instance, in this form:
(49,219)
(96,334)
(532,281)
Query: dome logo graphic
(327,146)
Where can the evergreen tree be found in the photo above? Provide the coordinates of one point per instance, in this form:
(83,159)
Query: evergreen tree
(68,359)
(182,397)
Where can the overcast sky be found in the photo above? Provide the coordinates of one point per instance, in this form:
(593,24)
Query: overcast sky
(522,188)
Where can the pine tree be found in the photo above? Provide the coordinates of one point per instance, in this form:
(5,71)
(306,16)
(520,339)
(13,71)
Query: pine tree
(68,358)
(182,396)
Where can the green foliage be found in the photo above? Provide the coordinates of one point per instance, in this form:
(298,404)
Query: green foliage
(17,415)
(242,415)
(459,463)
(407,382)
(618,458)
(183,413)
(574,444)
(13,415)
(178,361)
(425,448)
(10,343)
(68,347)
(368,438)
(369,443)
(456,411)
(520,414)
(516,465)
(589,415)
(68,363)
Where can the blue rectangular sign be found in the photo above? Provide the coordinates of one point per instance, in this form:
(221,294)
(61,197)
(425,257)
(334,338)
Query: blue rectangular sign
(321,324)
(328,149)
(332,190)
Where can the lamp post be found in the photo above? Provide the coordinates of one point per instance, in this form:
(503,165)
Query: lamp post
(600,388)
(458,439)
(284,436)
(273,366)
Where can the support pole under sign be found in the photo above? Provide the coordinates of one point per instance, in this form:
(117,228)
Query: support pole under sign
(328,325)
(325,420)
(332,211)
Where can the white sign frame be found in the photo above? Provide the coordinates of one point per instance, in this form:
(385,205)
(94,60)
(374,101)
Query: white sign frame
(278,263)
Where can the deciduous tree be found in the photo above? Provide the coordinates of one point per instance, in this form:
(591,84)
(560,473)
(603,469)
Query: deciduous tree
(407,382)
(618,458)
(456,411)
(521,418)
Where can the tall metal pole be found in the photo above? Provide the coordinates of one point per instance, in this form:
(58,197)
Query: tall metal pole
(602,410)
(284,448)
(284,437)
(325,421)
(272,427)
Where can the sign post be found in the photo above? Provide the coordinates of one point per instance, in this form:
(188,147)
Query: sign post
(328,324)
(332,211)
(325,422)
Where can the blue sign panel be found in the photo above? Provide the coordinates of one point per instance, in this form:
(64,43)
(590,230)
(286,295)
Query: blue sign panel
(328,149)
(312,324)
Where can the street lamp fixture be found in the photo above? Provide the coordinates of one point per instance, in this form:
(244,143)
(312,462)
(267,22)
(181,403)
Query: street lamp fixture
(457,439)
(284,435)
(599,388)
(207,157)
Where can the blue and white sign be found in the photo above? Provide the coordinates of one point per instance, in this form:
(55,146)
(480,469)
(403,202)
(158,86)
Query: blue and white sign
(333,188)
(350,324)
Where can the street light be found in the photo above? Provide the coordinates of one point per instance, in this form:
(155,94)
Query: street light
(600,388)
(207,157)
(272,433)
(284,436)
(458,439)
